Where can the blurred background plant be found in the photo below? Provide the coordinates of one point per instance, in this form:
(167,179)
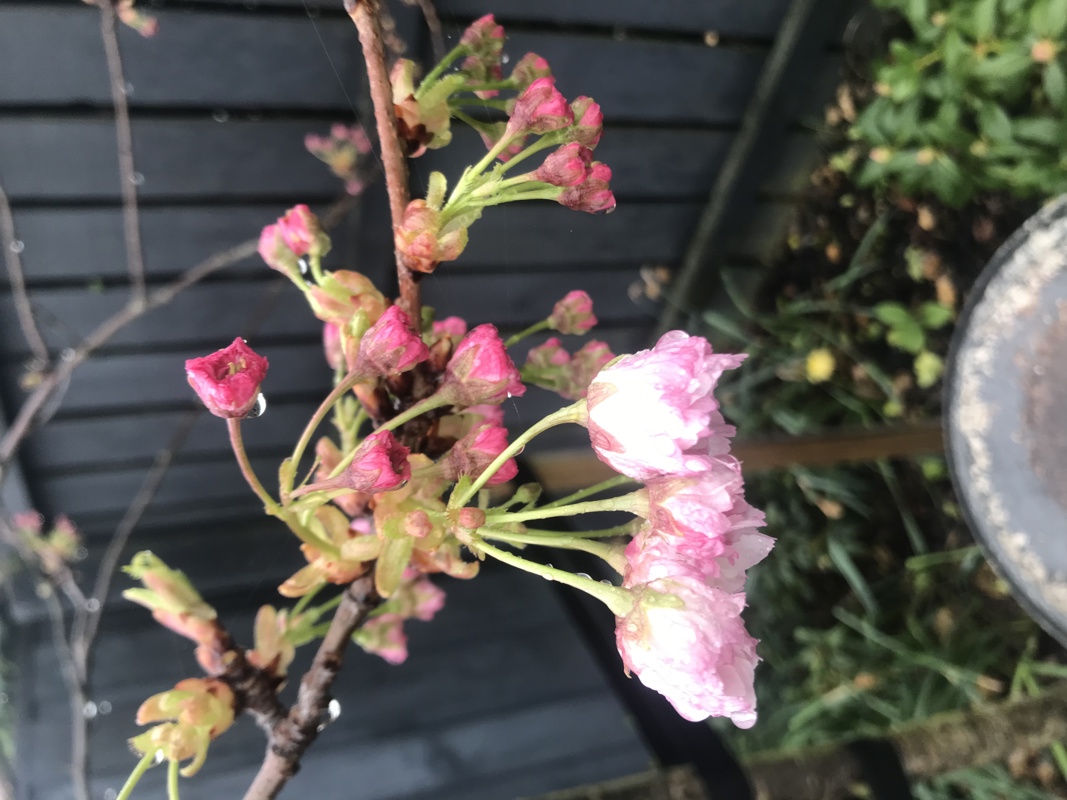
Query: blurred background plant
(970,98)
(877,609)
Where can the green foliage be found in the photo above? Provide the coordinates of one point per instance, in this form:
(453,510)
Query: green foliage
(975,100)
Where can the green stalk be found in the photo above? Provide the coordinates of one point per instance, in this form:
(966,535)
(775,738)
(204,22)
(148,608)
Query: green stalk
(601,550)
(627,502)
(145,764)
(172,781)
(573,413)
(626,529)
(581,494)
(618,600)
(518,337)
(439,69)
(302,603)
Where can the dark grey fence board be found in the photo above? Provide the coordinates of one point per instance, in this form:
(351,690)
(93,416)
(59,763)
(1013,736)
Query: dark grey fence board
(53,55)
(729,17)
(177,158)
(87,244)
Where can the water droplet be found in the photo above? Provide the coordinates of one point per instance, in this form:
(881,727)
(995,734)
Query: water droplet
(504,59)
(606,582)
(137,179)
(110,794)
(89,710)
(549,566)
(159,756)
(128,88)
(584,575)
(17,246)
(104,707)
(68,354)
(547,577)
(304,264)
(92,605)
(259,409)
(81,553)
(334,709)
(221,115)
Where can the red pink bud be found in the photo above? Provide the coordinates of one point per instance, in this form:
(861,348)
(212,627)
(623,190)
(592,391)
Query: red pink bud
(593,195)
(420,239)
(227,381)
(481,371)
(567,166)
(540,109)
(573,314)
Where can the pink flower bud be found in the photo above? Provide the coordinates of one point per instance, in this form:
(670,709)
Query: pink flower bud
(573,314)
(687,641)
(273,250)
(528,69)
(343,152)
(470,518)
(384,636)
(567,166)
(592,195)
(551,367)
(342,295)
(329,457)
(421,241)
(654,413)
(390,346)
(588,122)
(483,35)
(484,41)
(380,465)
(331,345)
(227,381)
(144,24)
(540,109)
(301,232)
(29,523)
(477,450)
(454,327)
(481,371)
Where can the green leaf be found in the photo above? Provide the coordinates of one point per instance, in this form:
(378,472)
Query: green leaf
(928,369)
(913,259)
(994,122)
(933,315)
(985,18)
(892,314)
(909,338)
(1039,131)
(850,572)
(1055,84)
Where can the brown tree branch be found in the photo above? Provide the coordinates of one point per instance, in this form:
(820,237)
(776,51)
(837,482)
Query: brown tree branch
(291,736)
(365,14)
(128,178)
(9,241)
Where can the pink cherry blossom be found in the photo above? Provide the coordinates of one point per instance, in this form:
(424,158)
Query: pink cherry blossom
(588,122)
(276,253)
(593,195)
(687,641)
(380,465)
(300,230)
(573,314)
(540,109)
(653,413)
(481,371)
(696,504)
(477,450)
(390,345)
(566,166)
(331,345)
(343,294)
(227,381)
(455,327)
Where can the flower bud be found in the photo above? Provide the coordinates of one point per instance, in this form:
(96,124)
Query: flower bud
(276,253)
(423,123)
(484,41)
(201,710)
(422,242)
(172,599)
(380,465)
(301,232)
(470,518)
(481,371)
(540,109)
(528,69)
(227,381)
(342,295)
(588,122)
(384,636)
(390,346)
(477,450)
(573,314)
(592,195)
(343,151)
(567,166)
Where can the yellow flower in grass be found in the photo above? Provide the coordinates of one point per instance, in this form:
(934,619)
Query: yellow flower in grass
(820,365)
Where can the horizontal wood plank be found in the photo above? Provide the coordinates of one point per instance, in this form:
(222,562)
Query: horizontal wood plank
(53,55)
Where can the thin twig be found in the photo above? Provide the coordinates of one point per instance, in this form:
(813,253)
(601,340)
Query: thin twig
(131,222)
(291,737)
(365,15)
(9,241)
(433,23)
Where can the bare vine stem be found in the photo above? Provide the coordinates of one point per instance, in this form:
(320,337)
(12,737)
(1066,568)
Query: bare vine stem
(17,278)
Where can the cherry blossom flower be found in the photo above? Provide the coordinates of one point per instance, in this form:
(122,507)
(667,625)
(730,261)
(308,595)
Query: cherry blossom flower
(573,314)
(227,381)
(481,371)
(390,346)
(539,109)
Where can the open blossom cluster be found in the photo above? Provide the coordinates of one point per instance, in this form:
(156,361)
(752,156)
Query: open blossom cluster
(653,416)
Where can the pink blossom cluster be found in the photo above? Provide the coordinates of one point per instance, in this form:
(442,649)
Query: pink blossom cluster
(345,152)
(653,416)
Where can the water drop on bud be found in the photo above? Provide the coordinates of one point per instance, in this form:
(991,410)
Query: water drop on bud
(259,409)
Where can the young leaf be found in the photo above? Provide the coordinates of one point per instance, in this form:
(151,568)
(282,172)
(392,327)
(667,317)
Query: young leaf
(928,369)
(1055,84)
(933,316)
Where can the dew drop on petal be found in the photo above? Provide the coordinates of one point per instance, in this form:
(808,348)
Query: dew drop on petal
(259,409)
(17,246)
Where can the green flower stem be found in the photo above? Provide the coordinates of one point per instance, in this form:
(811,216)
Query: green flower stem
(573,413)
(472,173)
(626,502)
(350,380)
(429,404)
(302,603)
(491,188)
(246,468)
(462,116)
(435,73)
(597,488)
(172,781)
(518,337)
(618,600)
(626,529)
(541,144)
(316,268)
(601,550)
(145,764)
(329,605)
